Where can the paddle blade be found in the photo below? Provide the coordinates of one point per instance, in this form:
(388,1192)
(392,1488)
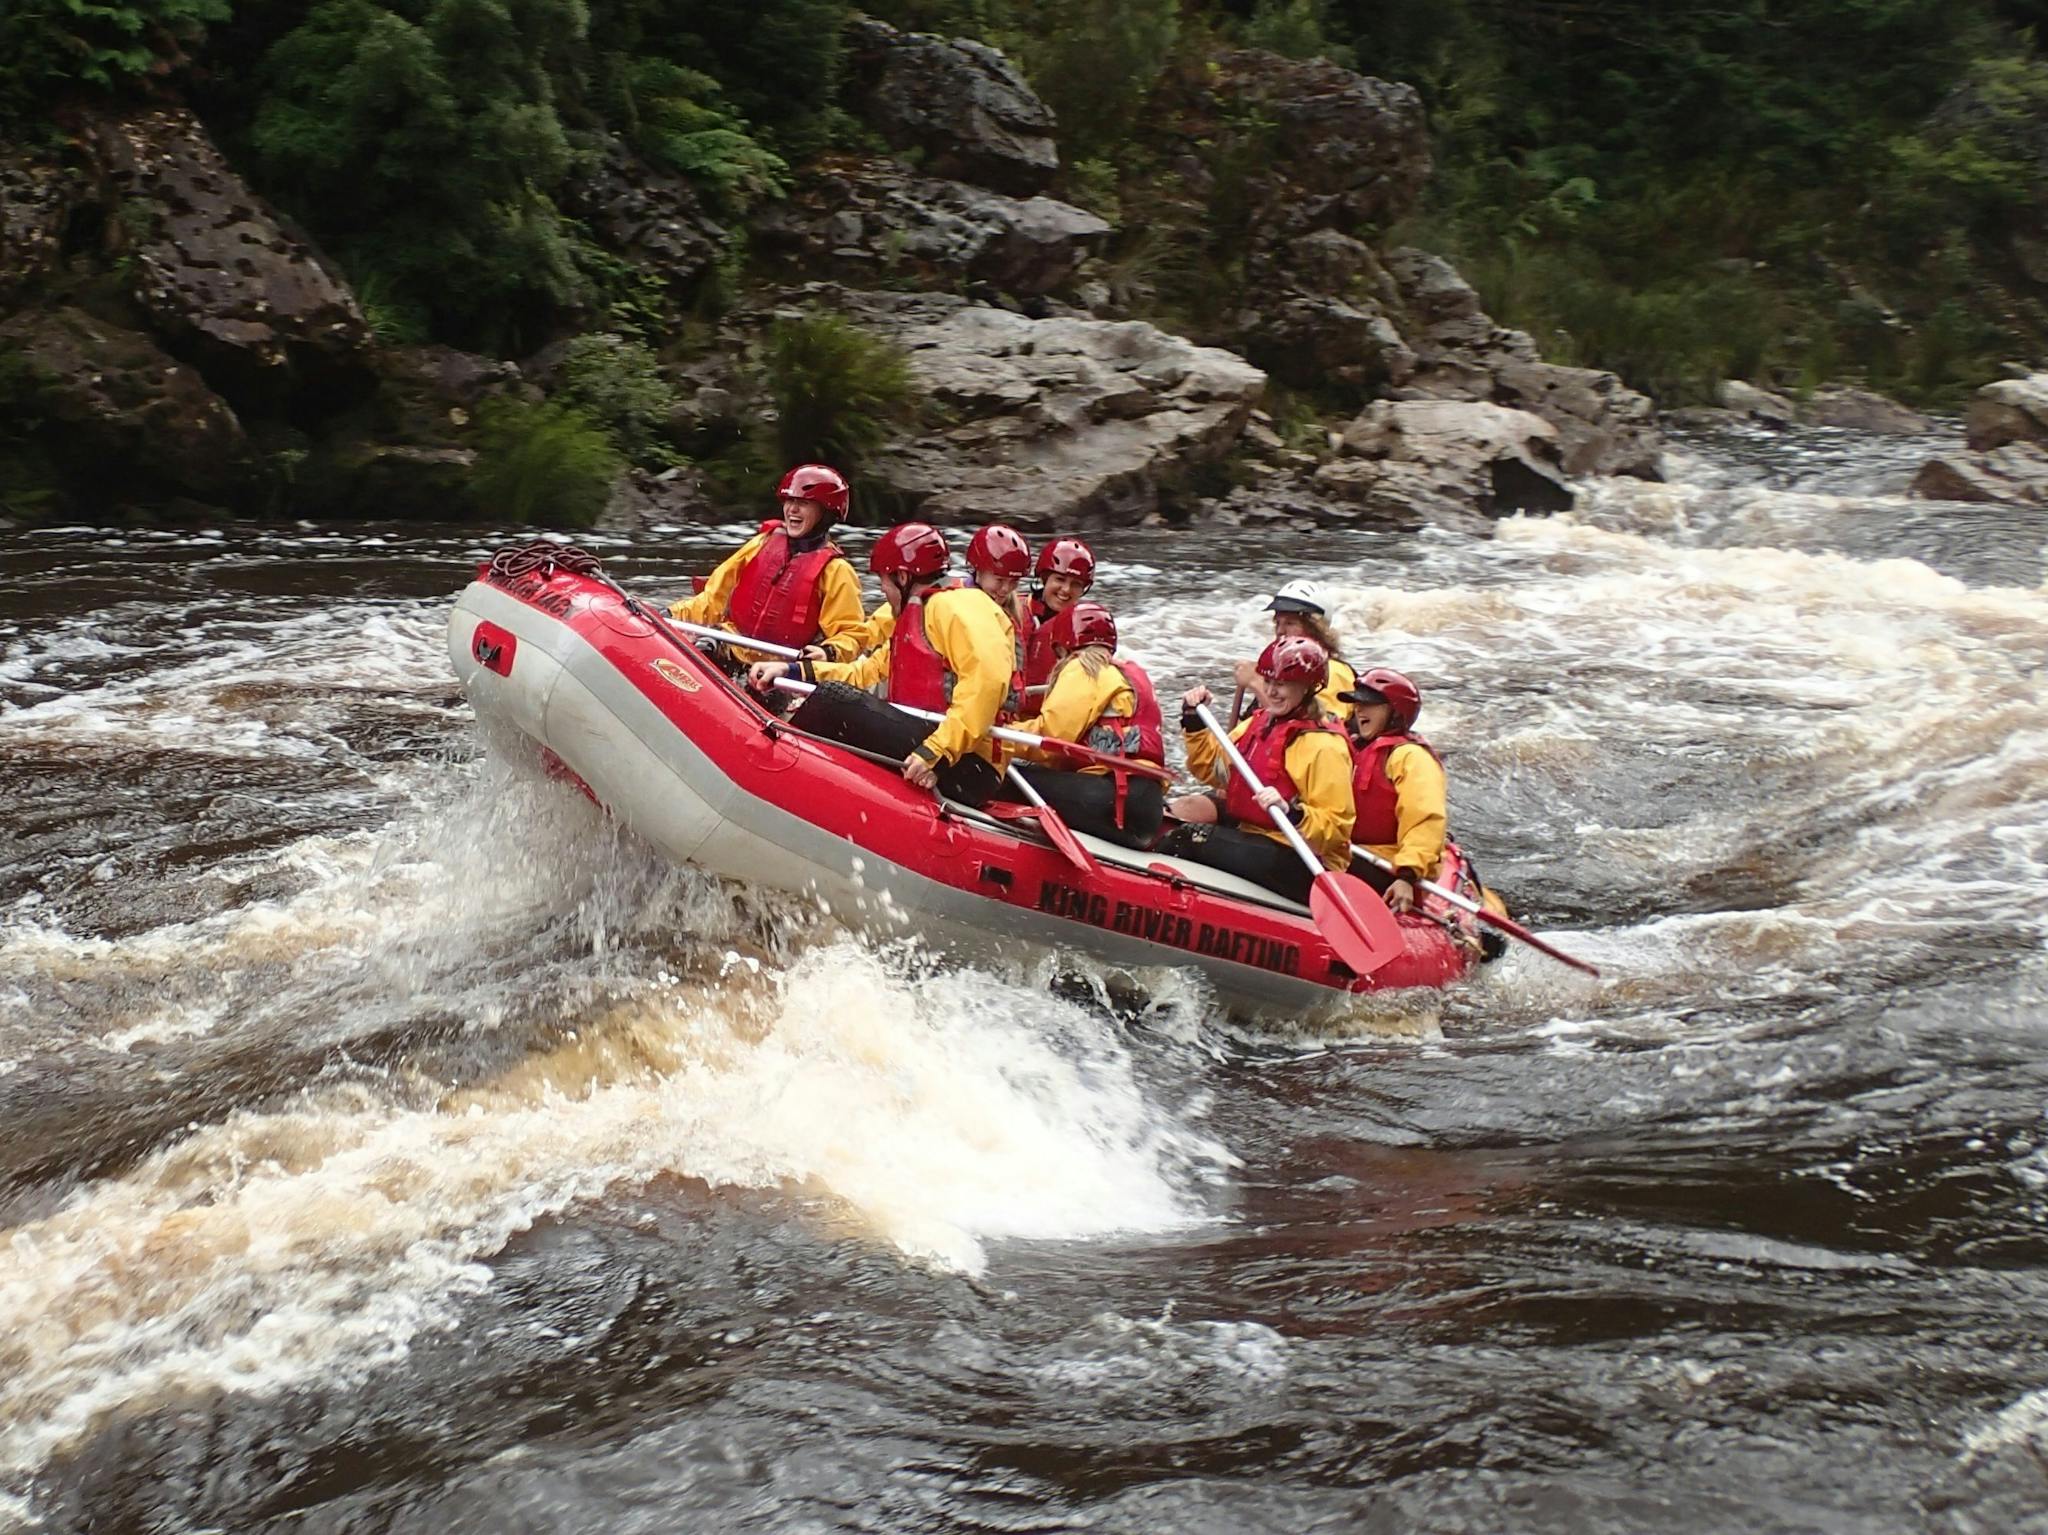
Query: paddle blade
(1355,922)
(1064,839)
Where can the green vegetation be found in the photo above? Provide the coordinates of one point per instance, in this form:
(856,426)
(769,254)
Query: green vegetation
(547,464)
(617,384)
(838,390)
(1789,189)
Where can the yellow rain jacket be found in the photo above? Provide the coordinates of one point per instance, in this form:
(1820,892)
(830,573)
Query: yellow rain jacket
(871,631)
(839,608)
(1072,706)
(978,643)
(1319,762)
(1421,815)
(1342,680)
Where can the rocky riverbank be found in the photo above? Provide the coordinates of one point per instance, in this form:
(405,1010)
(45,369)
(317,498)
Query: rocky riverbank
(171,345)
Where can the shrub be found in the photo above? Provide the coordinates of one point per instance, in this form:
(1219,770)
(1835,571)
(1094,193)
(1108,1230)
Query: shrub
(549,464)
(1094,63)
(674,117)
(838,390)
(50,46)
(617,384)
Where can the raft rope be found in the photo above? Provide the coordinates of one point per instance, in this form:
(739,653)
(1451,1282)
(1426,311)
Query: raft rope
(545,556)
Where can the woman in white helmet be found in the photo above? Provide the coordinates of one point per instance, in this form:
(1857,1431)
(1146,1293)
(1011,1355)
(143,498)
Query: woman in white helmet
(1297,608)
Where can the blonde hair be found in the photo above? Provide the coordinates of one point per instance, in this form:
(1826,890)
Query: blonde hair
(1092,659)
(1320,630)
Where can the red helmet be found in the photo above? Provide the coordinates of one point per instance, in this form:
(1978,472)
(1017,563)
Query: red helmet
(999,550)
(1067,557)
(816,482)
(1084,624)
(910,550)
(1295,659)
(1385,685)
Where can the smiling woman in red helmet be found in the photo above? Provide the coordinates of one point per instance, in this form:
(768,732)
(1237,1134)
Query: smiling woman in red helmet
(1066,569)
(1299,755)
(952,650)
(1298,609)
(788,584)
(1398,785)
(1105,702)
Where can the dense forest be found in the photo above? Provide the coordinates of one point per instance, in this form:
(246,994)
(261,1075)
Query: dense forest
(1789,191)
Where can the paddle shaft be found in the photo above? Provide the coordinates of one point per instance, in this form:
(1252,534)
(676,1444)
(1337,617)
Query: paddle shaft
(1015,737)
(1275,813)
(1478,909)
(738,641)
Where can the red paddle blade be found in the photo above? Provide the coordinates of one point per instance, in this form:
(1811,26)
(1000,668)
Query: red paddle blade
(1355,922)
(1064,839)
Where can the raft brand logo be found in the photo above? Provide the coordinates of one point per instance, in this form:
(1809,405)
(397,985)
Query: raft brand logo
(675,674)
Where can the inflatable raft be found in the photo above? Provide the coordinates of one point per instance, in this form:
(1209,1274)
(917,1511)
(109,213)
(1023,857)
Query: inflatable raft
(657,734)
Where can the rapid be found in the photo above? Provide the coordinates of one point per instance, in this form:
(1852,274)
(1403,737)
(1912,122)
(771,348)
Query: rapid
(387,1142)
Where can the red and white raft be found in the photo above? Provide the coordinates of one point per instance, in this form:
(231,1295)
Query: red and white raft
(676,751)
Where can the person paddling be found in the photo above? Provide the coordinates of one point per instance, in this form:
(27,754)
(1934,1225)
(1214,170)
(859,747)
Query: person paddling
(951,651)
(1301,757)
(1066,570)
(1297,609)
(1105,702)
(1398,786)
(788,584)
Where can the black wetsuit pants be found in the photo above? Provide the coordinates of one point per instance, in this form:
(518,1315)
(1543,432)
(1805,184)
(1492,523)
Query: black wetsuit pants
(1087,802)
(1262,860)
(841,713)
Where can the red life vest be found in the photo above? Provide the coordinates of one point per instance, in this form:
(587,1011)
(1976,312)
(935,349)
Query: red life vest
(1139,734)
(918,674)
(1264,745)
(1035,639)
(780,593)
(1379,802)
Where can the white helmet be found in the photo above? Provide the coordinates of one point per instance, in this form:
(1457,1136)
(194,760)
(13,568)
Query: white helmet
(1297,597)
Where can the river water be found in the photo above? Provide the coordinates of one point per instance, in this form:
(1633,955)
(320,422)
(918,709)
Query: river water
(388,1144)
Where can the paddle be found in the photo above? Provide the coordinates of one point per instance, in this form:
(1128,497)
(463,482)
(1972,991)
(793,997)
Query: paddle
(1053,744)
(1056,828)
(738,641)
(1055,825)
(1347,913)
(1490,918)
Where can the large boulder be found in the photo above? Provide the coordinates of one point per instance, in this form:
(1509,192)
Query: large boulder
(959,103)
(253,306)
(653,219)
(2010,410)
(2014,474)
(125,420)
(1461,354)
(1345,151)
(1056,423)
(1448,458)
(869,219)
(1863,410)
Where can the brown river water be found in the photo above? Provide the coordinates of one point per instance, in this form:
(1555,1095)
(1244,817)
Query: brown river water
(389,1143)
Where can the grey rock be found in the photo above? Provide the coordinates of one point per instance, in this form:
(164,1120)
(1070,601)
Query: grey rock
(962,104)
(653,219)
(1448,455)
(254,306)
(1863,410)
(400,481)
(868,219)
(2014,474)
(1311,340)
(1603,426)
(1060,422)
(2010,410)
(1757,404)
(120,413)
